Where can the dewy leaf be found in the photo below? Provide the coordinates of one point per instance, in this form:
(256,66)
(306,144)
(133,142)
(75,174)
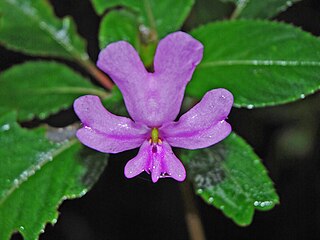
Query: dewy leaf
(37,175)
(262,63)
(156,18)
(231,177)
(40,88)
(259,9)
(30,26)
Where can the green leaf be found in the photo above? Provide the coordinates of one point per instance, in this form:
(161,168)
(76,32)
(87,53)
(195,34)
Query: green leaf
(231,177)
(156,18)
(259,9)
(119,25)
(30,26)
(205,11)
(124,25)
(115,103)
(262,63)
(37,175)
(40,88)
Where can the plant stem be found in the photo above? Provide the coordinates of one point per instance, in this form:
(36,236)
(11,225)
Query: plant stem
(96,73)
(151,19)
(192,217)
(240,6)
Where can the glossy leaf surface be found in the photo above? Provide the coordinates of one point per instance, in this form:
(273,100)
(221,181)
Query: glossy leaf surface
(41,88)
(262,63)
(38,174)
(259,9)
(124,27)
(31,27)
(156,18)
(231,177)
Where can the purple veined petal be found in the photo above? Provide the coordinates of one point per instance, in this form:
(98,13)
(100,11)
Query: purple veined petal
(153,98)
(204,124)
(105,131)
(158,160)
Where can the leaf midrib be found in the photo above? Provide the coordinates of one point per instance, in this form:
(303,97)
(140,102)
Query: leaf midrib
(282,63)
(150,16)
(69,90)
(69,48)
(34,168)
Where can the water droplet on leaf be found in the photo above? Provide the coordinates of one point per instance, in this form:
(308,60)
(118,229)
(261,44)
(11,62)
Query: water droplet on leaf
(250,106)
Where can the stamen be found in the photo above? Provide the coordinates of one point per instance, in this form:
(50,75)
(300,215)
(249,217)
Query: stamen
(155,135)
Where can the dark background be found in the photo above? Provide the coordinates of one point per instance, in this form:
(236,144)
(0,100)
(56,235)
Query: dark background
(285,137)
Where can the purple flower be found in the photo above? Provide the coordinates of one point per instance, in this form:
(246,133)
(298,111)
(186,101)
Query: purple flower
(153,101)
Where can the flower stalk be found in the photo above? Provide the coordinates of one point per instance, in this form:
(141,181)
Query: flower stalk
(192,217)
(103,79)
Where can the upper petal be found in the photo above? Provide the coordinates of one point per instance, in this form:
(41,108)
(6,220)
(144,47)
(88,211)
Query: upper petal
(123,64)
(175,60)
(204,124)
(105,131)
(153,98)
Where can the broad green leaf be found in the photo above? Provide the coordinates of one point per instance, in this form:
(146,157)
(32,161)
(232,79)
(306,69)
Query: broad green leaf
(124,25)
(205,11)
(115,103)
(37,175)
(231,177)
(262,63)
(4,110)
(259,9)
(40,88)
(119,25)
(30,26)
(156,18)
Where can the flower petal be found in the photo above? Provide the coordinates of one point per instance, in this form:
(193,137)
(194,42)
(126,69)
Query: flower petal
(204,124)
(172,165)
(175,60)
(122,63)
(105,131)
(159,160)
(153,98)
(139,163)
